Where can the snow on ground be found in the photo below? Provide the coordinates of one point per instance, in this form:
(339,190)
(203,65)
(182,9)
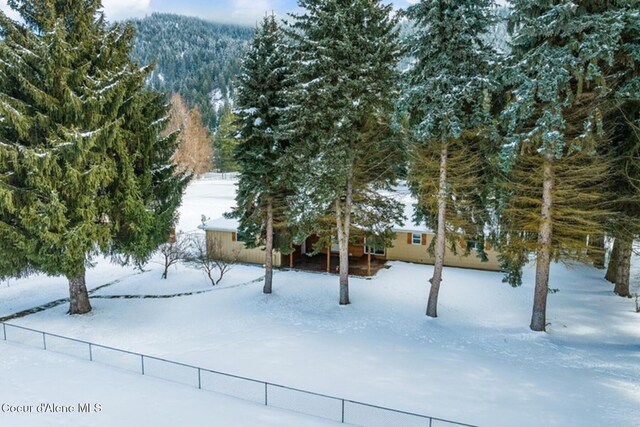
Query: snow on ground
(210,196)
(116,397)
(477,363)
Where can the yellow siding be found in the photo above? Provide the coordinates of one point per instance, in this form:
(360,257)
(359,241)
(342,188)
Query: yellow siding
(223,242)
(403,251)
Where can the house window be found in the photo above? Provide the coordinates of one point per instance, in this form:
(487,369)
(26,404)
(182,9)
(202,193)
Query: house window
(374,250)
(474,245)
(416,238)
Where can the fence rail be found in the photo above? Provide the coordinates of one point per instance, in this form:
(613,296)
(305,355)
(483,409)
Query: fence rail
(230,176)
(270,394)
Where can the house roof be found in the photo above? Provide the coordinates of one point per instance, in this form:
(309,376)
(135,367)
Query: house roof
(401,193)
(220,224)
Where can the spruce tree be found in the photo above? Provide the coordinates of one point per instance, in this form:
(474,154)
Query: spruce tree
(82,168)
(225,141)
(448,99)
(339,119)
(262,189)
(623,150)
(563,53)
(623,188)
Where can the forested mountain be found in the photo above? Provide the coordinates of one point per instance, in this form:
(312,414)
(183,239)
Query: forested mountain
(196,58)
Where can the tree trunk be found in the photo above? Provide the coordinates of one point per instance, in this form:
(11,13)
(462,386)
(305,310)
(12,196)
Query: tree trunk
(268,262)
(623,270)
(612,268)
(543,262)
(343,220)
(78,295)
(432,305)
(596,251)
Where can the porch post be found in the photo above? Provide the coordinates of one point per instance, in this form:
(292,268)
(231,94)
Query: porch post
(368,257)
(291,256)
(329,259)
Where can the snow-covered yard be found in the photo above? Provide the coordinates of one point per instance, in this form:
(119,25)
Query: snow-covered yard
(477,363)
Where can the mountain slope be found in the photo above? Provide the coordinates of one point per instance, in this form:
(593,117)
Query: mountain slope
(196,58)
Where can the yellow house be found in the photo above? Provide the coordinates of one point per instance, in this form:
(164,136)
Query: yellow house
(223,242)
(410,244)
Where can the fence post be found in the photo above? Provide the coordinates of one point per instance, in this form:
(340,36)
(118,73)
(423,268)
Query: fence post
(254,381)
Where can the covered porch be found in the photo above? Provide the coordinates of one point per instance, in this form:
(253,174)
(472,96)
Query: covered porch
(361,263)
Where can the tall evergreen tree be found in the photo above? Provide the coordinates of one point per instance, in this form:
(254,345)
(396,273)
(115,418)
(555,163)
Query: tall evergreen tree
(82,167)
(262,190)
(562,54)
(623,131)
(624,192)
(449,104)
(340,118)
(225,141)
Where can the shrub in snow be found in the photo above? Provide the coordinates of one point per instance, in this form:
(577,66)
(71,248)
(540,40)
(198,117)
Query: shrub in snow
(209,257)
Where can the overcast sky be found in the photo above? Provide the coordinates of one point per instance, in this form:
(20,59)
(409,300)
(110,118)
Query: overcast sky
(236,11)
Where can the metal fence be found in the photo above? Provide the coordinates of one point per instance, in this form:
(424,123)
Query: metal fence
(229,176)
(262,392)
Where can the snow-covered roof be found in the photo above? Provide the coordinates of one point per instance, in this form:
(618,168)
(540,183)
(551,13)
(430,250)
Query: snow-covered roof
(403,195)
(400,193)
(220,224)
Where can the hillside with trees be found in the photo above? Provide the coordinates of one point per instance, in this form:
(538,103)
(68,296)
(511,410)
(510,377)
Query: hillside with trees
(195,58)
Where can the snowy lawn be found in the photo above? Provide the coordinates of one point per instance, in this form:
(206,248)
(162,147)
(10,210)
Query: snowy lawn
(32,377)
(477,363)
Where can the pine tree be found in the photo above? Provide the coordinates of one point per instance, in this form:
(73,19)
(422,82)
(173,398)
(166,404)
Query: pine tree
(623,150)
(563,53)
(82,169)
(225,141)
(623,186)
(262,190)
(339,119)
(449,104)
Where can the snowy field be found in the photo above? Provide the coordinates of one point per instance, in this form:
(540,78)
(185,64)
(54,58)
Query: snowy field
(477,363)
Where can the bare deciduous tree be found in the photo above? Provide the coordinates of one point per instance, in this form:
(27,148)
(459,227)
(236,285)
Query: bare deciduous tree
(173,252)
(209,257)
(194,154)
